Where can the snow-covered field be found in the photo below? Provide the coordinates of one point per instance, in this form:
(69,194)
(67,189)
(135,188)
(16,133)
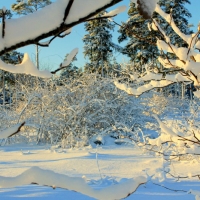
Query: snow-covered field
(100,167)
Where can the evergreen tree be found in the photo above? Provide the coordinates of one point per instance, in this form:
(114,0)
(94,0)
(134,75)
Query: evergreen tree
(98,44)
(141,46)
(30,6)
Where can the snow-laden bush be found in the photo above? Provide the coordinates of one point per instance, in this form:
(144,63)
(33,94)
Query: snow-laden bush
(72,112)
(178,137)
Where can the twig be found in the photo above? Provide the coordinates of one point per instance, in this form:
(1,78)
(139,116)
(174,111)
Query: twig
(18,130)
(182,177)
(170,188)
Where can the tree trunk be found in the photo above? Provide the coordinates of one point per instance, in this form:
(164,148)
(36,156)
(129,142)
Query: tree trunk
(37,56)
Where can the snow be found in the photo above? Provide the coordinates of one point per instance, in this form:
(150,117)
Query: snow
(196,193)
(198,44)
(147,6)
(52,179)
(169,19)
(118,165)
(140,90)
(133,77)
(67,32)
(26,67)
(165,129)
(70,57)
(4,9)
(197,93)
(115,12)
(151,76)
(177,78)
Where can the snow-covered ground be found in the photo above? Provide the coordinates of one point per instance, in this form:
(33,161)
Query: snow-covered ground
(100,167)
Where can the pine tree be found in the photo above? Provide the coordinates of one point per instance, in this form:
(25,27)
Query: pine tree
(141,46)
(98,44)
(30,6)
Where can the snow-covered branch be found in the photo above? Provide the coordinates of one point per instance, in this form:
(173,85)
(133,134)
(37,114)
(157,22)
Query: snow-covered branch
(146,7)
(187,60)
(66,14)
(25,67)
(152,80)
(36,175)
(140,90)
(9,132)
(68,60)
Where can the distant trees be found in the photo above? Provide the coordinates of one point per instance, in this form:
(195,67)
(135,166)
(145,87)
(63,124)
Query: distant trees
(141,46)
(98,44)
(22,7)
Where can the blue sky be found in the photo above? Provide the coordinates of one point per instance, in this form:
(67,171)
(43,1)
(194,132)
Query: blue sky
(51,57)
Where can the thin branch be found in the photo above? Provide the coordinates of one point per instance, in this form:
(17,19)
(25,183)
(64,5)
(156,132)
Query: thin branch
(170,188)
(182,177)
(3,24)
(67,10)
(53,38)
(195,136)
(185,139)
(159,29)
(18,130)
(60,68)
(190,46)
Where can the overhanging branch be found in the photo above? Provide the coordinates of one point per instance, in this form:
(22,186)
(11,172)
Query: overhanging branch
(56,31)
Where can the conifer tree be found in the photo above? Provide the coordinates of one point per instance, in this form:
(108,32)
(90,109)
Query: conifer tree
(98,44)
(141,46)
(22,7)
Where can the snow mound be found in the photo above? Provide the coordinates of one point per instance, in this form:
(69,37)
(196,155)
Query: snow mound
(36,175)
